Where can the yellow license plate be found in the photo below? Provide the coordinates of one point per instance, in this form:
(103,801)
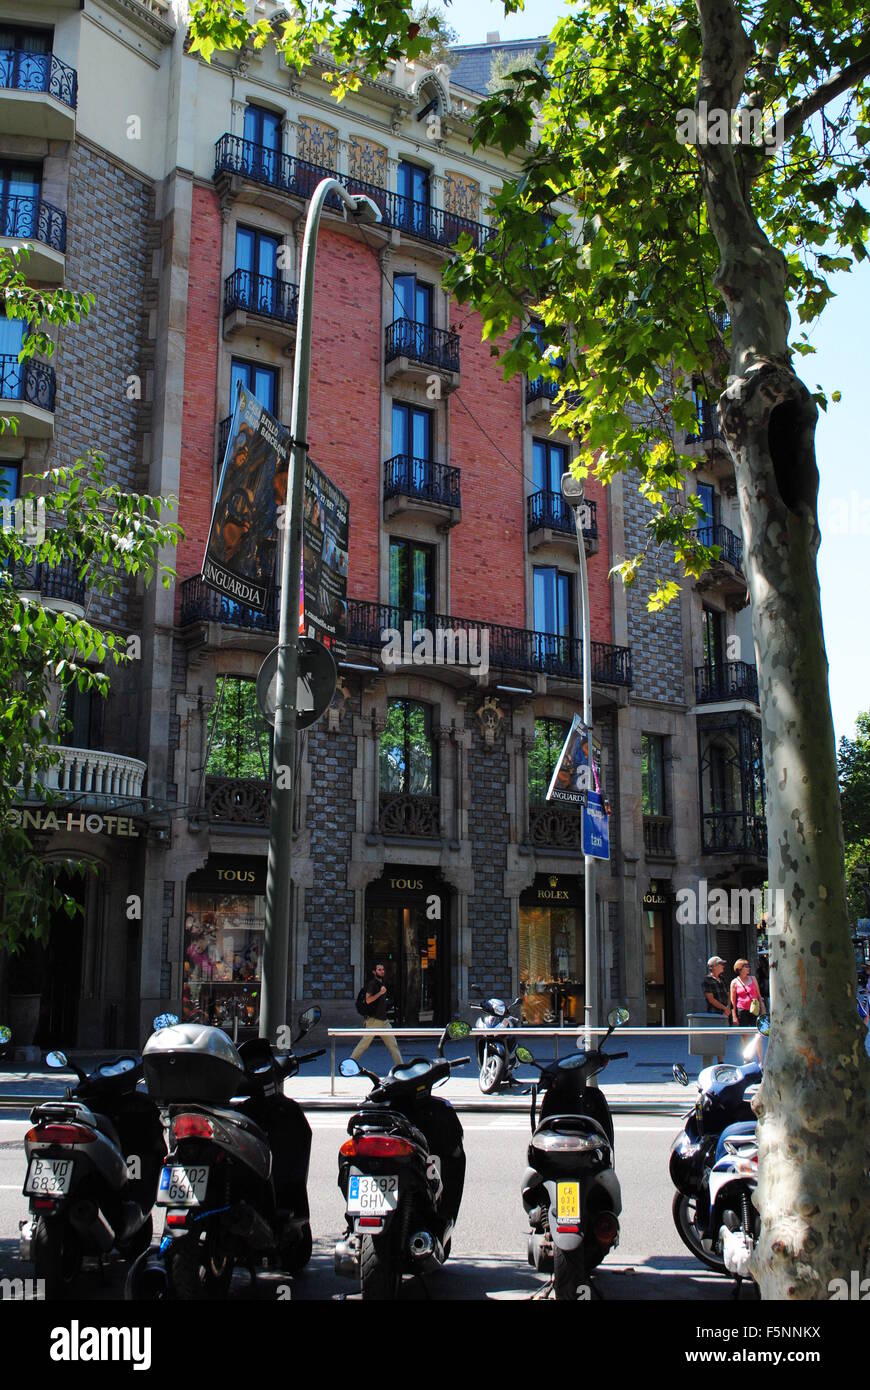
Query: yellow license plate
(567,1199)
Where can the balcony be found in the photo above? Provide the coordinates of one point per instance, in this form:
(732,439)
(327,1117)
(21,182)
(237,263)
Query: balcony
(57,587)
(733,832)
(555,827)
(541,396)
(708,441)
(510,648)
(38,95)
(410,817)
(236,801)
(732,680)
(223,434)
(260,304)
(550,521)
(27,393)
(95,775)
(200,604)
(658,837)
(43,226)
(725,575)
(414,352)
(421,488)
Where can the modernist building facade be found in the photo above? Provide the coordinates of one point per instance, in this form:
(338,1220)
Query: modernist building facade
(422,834)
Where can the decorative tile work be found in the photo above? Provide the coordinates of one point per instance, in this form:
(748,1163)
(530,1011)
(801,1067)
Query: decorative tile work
(489,913)
(367,161)
(462,196)
(316,142)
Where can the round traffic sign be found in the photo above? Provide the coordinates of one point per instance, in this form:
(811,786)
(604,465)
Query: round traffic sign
(316,679)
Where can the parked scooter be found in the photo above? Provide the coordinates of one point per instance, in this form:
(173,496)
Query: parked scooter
(94,1161)
(570,1190)
(401,1173)
(496,1057)
(5,1042)
(709,1168)
(235,1181)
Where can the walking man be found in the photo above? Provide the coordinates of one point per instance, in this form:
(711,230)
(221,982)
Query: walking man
(376,1018)
(716,994)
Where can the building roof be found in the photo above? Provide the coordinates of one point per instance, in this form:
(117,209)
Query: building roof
(471,63)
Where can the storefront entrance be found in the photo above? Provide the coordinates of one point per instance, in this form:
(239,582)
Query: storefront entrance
(658,958)
(53,970)
(224,926)
(407,927)
(551,960)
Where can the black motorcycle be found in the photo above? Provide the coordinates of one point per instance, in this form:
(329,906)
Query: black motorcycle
(93,1164)
(401,1173)
(570,1190)
(235,1181)
(496,1056)
(722,1112)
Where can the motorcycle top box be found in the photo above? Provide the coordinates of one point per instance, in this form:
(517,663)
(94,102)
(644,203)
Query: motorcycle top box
(193,1062)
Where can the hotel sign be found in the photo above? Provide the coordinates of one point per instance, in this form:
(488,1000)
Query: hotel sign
(89,823)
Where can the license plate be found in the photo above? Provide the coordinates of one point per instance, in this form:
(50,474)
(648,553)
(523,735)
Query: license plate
(371,1196)
(567,1200)
(182,1186)
(48,1177)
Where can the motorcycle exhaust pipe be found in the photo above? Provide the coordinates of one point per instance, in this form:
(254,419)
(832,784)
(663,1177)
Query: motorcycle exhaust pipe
(426,1252)
(89,1222)
(153,1280)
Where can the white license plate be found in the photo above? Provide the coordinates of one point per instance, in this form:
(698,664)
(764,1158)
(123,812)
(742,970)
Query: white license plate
(370,1196)
(182,1186)
(48,1177)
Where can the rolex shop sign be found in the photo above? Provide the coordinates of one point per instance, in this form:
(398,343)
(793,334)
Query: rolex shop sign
(655,897)
(554,890)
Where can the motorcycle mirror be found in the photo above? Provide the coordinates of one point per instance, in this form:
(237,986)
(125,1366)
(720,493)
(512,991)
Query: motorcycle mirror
(5,1034)
(164,1021)
(617,1018)
(680,1074)
(309,1019)
(764,1025)
(457,1029)
(56,1060)
(524,1055)
(350,1068)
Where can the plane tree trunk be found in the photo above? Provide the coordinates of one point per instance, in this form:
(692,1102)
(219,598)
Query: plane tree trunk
(813,1193)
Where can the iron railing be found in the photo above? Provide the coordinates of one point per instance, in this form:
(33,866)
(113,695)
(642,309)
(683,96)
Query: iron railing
(237,800)
(199,603)
(38,72)
(708,422)
(547,508)
(26,381)
(58,581)
(552,826)
(543,389)
(31,219)
(658,837)
(733,832)
(407,476)
(510,648)
(436,347)
(732,680)
(415,817)
(261,294)
(730,546)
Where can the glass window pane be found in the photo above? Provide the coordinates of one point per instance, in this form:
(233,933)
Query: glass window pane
(244,249)
(11,336)
(421,442)
(267,256)
(397,549)
(545,599)
(403,296)
(539,464)
(420,750)
(423,304)
(564,612)
(422,596)
(400,429)
(239,739)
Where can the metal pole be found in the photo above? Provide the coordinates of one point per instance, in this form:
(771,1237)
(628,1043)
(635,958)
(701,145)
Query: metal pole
(276,945)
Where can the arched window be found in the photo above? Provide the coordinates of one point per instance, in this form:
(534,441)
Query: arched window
(239,743)
(550,735)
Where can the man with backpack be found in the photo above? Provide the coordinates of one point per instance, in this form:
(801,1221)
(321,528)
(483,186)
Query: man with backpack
(371,1003)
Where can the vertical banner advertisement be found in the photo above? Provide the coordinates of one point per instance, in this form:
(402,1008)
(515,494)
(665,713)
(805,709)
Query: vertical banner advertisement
(243,538)
(325,536)
(576,774)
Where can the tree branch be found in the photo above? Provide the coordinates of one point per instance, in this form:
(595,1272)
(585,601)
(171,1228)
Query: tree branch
(842,81)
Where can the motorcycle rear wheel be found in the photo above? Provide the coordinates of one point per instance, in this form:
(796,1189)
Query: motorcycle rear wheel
(378,1276)
(199,1269)
(295,1256)
(57,1257)
(683,1209)
(491,1073)
(569,1272)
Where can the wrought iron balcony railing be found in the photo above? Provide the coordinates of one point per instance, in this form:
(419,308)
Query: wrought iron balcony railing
(261,294)
(38,72)
(407,476)
(730,546)
(237,800)
(417,817)
(733,832)
(58,581)
(299,177)
(31,219)
(658,837)
(732,680)
(510,648)
(547,508)
(554,827)
(199,603)
(32,382)
(543,389)
(436,347)
(708,422)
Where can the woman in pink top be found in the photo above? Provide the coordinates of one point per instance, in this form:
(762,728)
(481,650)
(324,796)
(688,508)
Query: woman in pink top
(744,989)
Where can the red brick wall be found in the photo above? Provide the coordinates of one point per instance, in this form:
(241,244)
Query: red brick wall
(200,381)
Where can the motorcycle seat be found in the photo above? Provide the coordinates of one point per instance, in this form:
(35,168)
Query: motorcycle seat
(573,1124)
(742,1129)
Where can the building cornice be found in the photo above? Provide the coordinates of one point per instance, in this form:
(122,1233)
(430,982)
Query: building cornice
(144,15)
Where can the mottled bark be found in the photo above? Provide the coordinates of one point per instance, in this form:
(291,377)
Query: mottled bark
(813,1193)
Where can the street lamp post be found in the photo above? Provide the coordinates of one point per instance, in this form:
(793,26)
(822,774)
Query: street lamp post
(276,945)
(573,495)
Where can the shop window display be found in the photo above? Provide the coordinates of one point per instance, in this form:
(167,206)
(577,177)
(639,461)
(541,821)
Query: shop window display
(551,965)
(223,950)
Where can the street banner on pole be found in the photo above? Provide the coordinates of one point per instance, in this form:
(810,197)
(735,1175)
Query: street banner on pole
(325,533)
(575,775)
(240,553)
(596,830)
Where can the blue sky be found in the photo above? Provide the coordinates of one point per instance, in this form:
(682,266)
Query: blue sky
(841,362)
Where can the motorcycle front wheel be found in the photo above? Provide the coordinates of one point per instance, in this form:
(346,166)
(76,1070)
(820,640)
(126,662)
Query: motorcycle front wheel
(491,1073)
(683,1210)
(378,1275)
(569,1272)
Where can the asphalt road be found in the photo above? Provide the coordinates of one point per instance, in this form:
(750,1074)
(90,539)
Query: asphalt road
(489,1246)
